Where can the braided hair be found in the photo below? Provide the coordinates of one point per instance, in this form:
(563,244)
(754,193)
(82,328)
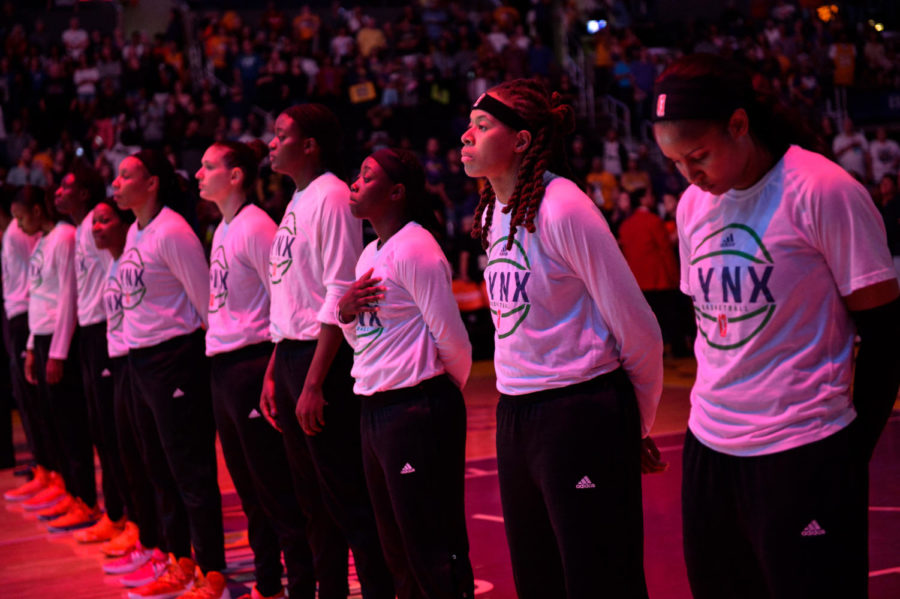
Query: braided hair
(549,121)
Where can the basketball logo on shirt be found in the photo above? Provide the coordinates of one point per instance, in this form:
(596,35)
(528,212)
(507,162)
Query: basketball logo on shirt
(507,275)
(218,280)
(36,269)
(131,279)
(282,254)
(731,267)
(114,306)
(80,267)
(368,329)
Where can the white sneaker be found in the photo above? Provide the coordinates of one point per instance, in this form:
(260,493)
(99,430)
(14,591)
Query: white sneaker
(130,562)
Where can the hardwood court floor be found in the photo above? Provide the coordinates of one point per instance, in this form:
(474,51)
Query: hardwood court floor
(37,565)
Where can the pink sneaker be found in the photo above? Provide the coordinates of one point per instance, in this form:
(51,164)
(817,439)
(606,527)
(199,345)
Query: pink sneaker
(130,562)
(147,573)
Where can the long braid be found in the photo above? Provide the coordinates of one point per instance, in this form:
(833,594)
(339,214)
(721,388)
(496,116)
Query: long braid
(484,209)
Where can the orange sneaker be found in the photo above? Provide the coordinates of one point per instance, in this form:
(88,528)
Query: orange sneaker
(122,543)
(175,581)
(50,495)
(255,594)
(78,516)
(56,510)
(211,586)
(104,530)
(31,488)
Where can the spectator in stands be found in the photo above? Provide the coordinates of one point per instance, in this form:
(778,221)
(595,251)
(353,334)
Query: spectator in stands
(851,150)
(884,155)
(615,156)
(75,39)
(635,178)
(27,172)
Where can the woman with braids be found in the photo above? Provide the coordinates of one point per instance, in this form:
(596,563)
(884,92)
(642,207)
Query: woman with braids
(307,392)
(783,253)
(239,346)
(578,357)
(164,281)
(412,356)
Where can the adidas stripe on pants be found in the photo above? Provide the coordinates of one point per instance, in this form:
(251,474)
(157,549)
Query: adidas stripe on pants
(414,453)
(171,385)
(570,485)
(787,525)
(254,454)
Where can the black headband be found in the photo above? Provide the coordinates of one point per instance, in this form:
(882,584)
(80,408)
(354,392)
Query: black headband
(391,164)
(704,97)
(501,112)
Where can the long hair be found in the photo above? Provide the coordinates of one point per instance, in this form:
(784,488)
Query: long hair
(549,121)
(320,123)
(772,123)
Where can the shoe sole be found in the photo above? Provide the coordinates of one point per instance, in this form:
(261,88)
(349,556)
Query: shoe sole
(34,507)
(116,552)
(123,569)
(132,584)
(168,595)
(49,517)
(18,498)
(70,527)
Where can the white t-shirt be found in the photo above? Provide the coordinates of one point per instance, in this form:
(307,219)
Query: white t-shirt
(17,248)
(853,160)
(565,305)
(115,313)
(239,281)
(767,268)
(91,266)
(884,158)
(164,281)
(312,259)
(51,289)
(417,332)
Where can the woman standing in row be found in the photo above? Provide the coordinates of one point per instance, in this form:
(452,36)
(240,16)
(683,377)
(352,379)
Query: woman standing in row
(239,346)
(78,193)
(783,252)
(412,357)
(164,281)
(137,546)
(308,391)
(578,356)
(62,412)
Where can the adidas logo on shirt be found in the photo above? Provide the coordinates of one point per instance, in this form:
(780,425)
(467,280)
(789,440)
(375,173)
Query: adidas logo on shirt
(254,413)
(178,393)
(585,483)
(728,241)
(813,530)
(106,372)
(407,469)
